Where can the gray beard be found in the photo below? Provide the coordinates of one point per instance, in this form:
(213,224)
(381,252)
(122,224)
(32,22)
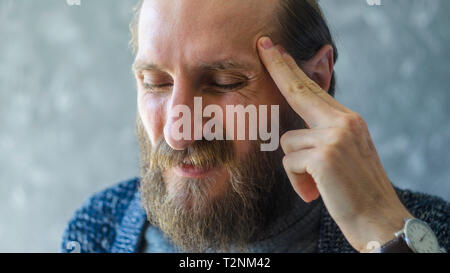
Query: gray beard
(259,193)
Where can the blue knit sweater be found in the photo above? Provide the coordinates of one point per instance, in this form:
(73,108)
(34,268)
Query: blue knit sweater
(113,221)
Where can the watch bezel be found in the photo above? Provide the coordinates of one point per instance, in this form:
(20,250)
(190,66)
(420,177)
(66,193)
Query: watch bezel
(406,232)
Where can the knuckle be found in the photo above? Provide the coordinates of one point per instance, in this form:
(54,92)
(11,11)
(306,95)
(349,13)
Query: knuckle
(284,141)
(312,86)
(278,61)
(299,87)
(298,84)
(285,161)
(287,135)
(353,121)
(339,136)
(327,154)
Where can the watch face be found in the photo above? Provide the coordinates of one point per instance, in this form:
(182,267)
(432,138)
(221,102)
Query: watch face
(420,238)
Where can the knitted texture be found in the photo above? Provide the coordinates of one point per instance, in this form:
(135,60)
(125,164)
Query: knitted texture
(113,221)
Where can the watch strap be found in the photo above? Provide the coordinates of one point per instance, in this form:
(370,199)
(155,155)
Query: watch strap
(397,245)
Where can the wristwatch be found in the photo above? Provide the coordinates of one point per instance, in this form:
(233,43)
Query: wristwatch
(415,237)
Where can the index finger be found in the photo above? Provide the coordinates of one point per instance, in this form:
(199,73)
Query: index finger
(313,85)
(311,107)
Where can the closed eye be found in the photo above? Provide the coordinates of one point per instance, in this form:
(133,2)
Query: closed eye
(160,87)
(156,86)
(228,86)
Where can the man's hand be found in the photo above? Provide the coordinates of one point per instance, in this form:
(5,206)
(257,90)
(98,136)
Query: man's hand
(335,157)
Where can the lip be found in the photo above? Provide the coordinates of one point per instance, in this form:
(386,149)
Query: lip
(187,170)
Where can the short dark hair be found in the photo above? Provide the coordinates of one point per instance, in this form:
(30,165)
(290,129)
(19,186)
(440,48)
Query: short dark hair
(302,30)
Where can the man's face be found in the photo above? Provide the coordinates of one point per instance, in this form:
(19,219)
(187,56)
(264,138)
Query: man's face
(207,49)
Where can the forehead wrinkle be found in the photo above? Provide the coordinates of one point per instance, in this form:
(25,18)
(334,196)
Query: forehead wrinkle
(184,33)
(227,64)
(201,18)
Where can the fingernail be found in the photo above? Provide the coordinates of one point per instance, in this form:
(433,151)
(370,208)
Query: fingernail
(281,49)
(266,43)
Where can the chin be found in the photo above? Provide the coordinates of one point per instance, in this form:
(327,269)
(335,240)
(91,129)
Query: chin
(196,193)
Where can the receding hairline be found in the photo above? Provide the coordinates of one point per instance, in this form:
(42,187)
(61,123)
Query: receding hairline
(278,11)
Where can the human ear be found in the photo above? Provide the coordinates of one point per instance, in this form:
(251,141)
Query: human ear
(320,67)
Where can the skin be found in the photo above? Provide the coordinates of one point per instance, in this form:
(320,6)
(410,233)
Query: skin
(180,47)
(320,160)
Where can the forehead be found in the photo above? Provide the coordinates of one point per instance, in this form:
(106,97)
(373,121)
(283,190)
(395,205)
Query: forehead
(202,31)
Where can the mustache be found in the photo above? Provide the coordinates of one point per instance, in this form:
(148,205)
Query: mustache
(201,153)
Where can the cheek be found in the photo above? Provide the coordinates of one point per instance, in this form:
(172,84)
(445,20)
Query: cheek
(152,113)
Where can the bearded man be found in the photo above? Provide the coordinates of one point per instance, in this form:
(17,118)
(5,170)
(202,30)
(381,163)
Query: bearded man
(323,190)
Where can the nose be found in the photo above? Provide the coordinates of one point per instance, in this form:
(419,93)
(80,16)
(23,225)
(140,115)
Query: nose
(179,129)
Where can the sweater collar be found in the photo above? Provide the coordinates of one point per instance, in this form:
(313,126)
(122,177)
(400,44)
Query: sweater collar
(130,232)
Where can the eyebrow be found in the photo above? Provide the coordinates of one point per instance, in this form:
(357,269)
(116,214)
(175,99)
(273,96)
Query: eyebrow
(140,65)
(225,65)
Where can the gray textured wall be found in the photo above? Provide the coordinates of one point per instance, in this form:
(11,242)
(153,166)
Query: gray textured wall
(67,102)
